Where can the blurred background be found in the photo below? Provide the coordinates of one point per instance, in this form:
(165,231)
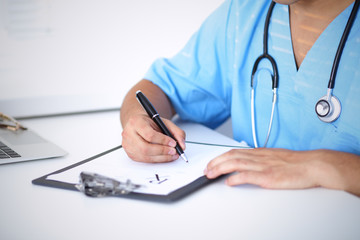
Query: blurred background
(66,56)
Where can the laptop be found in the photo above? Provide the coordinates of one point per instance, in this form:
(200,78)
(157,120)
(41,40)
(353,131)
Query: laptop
(25,145)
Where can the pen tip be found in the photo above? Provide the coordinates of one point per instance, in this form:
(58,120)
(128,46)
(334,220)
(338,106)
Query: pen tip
(185,158)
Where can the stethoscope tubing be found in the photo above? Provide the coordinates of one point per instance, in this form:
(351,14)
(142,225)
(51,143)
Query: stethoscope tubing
(275,80)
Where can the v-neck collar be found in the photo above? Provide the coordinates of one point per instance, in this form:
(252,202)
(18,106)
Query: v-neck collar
(322,43)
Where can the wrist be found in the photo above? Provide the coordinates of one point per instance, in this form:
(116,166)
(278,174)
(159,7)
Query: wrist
(336,170)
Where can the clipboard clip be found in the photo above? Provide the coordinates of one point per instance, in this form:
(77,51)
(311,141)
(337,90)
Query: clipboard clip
(96,185)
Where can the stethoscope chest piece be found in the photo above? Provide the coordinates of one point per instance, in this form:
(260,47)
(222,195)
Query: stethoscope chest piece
(328,108)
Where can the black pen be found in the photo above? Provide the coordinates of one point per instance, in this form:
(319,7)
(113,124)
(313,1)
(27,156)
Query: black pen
(149,108)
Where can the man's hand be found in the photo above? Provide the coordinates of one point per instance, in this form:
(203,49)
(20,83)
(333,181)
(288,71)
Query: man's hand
(286,169)
(144,142)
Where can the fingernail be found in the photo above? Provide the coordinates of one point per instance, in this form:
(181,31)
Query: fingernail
(227,182)
(172,143)
(209,173)
(172,151)
(205,171)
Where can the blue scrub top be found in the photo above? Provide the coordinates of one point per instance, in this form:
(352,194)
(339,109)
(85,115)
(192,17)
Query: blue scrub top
(209,79)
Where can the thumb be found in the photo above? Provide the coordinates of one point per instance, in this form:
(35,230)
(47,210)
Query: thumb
(177,132)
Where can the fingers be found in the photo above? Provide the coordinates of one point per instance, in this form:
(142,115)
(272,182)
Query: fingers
(233,161)
(143,142)
(249,177)
(268,168)
(248,166)
(141,151)
(149,131)
(177,132)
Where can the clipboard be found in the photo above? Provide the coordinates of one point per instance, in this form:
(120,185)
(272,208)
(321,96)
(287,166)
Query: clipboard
(171,197)
(182,178)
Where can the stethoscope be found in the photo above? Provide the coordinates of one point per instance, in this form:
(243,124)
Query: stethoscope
(328,108)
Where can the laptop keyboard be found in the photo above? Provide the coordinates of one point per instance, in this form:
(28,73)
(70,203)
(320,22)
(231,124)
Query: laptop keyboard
(6,152)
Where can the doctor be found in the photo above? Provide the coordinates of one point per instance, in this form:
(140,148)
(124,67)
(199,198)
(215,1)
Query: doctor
(288,75)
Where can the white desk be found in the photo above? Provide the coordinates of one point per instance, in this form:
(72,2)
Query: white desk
(214,212)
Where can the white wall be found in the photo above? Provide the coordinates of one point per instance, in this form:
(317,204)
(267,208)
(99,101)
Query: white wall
(60,56)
